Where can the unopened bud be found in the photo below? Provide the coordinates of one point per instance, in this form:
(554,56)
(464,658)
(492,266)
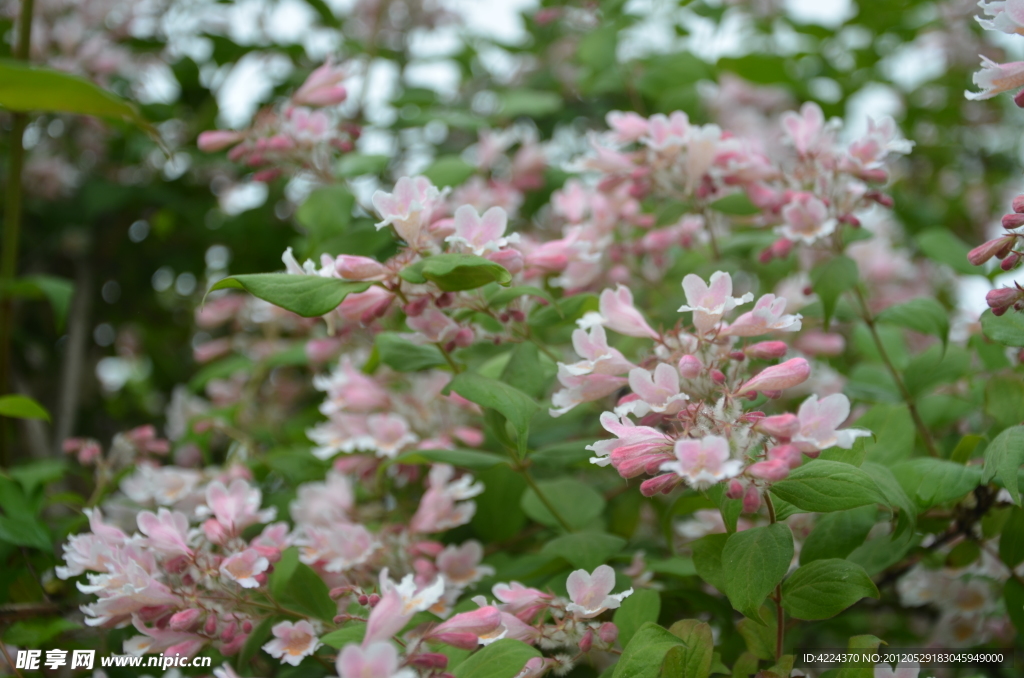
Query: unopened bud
(429,660)
(1011,221)
(734,490)
(184,620)
(766,350)
(1010,262)
(608,633)
(587,641)
(211,625)
(751,499)
(690,367)
(717,376)
(1018,204)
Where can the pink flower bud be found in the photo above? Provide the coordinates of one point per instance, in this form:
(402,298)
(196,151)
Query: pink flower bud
(751,499)
(608,633)
(717,376)
(735,489)
(247,626)
(738,355)
(998,248)
(1010,262)
(1011,221)
(461,640)
(783,426)
(214,531)
(766,350)
(587,641)
(789,454)
(1018,99)
(184,620)
(1018,204)
(690,367)
(322,350)
(429,660)
(217,140)
(814,342)
(210,627)
(464,337)
(662,484)
(229,632)
(511,259)
(232,648)
(791,373)
(1002,299)
(266,176)
(772,469)
(351,267)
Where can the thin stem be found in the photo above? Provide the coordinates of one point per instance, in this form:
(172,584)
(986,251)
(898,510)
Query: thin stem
(448,358)
(12,220)
(869,320)
(780,614)
(544,500)
(10,662)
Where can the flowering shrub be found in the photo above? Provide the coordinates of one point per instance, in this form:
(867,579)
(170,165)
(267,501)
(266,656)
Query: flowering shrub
(673,391)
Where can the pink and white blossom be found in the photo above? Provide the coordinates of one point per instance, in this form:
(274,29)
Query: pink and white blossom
(481,234)
(704,462)
(769,314)
(591,593)
(244,568)
(710,302)
(376,660)
(292,642)
(819,423)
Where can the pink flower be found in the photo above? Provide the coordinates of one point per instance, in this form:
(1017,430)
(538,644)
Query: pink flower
(408,209)
(598,356)
(806,219)
(434,326)
(481,234)
(704,462)
(365,307)
(244,567)
(995,78)
(461,566)
(658,392)
(635,448)
(1003,299)
(322,87)
(710,302)
(167,532)
(520,601)
(618,313)
(90,550)
(626,127)
(443,506)
(162,640)
(336,548)
(591,594)
(235,507)
(292,642)
(666,132)
(819,420)
(398,603)
(582,389)
(777,377)
(325,503)
(807,130)
(376,660)
(1008,16)
(781,426)
(769,314)
(469,629)
(350,390)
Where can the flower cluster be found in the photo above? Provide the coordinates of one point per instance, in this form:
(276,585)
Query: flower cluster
(302,135)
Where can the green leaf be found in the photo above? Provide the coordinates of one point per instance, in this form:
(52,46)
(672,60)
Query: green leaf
(529,102)
(694,659)
(824,588)
(510,402)
(942,246)
(1013,595)
(22,407)
(1011,540)
(641,607)
(577,502)
(498,513)
(471,459)
(305,592)
(34,633)
(830,280)
(352,632)
(57,291)
(327,211)
(568,309)
(25,530)
(643,656)
(306,295)
(38,473)
(1007,329)
(822,486)
(924,315)
(1004,400)
(760,637)
(456,272)
(397,352)
(934,367)
(836,535)
(357,165)
(753,563)
(27,88)
(449,170)
(894,433)
(894,495)
(585,550)
(501,659)
(504,295)
(527,371)
(736,204)
(1003,459)
(707,559)
(936,481)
